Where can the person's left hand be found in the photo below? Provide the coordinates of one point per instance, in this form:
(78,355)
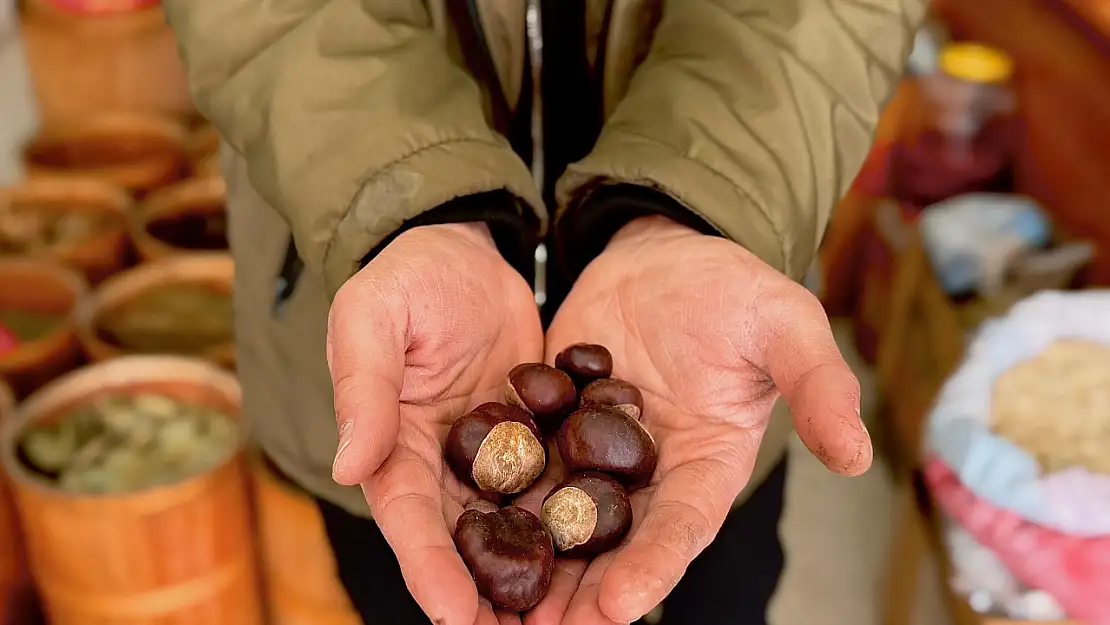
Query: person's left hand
(712,336)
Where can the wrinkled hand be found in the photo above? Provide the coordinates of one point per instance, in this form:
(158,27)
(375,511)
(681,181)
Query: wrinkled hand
(711,335)
(426,331)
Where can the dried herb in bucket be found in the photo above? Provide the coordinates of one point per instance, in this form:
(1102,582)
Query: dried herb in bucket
(185,318)
(125,443)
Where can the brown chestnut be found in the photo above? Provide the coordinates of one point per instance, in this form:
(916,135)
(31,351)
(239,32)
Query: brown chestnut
(623,396)
(509,554)
(548,394)
(587,514)
(585,362)
(602,438)
(496,448)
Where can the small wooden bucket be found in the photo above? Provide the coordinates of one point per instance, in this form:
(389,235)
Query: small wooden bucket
(302,585)
(177,219)
(215,269)
(177,554)
(134,151)
(49,288)
(99,256)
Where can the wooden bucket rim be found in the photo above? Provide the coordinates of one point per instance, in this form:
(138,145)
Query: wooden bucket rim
(168,132)
(121,373)
(100,193)
(169,200)
(70,280)
(127,284)
(110,123)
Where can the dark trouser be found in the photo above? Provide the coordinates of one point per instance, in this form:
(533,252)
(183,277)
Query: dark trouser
(730,583)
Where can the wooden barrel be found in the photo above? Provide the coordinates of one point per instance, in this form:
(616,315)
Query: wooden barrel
(186,217)
(88,56)
(131,150)
(181,554)
(48,288)
(98,256)
(10,542)
(298,568)
(214,269)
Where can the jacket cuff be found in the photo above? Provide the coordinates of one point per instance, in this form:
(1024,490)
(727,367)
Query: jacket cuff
(584,230)
(515,231)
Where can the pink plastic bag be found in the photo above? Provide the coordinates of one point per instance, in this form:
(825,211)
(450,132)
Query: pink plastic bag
(1074,570)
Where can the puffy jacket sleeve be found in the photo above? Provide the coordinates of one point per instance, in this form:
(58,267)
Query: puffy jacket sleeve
(753,114)
(351,115)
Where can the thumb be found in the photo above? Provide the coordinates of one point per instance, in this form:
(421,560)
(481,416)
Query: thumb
(366,356)
(803,360)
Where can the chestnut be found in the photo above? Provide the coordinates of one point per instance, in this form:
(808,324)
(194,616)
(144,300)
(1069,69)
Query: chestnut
(548,394)
(496,448)
(585,362)
(509,554)
(602,438)
(623,396)
(587,514)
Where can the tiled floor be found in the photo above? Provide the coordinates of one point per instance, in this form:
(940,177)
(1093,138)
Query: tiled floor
(836,529)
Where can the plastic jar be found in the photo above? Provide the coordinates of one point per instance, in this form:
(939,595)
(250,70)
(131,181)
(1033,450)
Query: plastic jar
(88,56)
(970,88)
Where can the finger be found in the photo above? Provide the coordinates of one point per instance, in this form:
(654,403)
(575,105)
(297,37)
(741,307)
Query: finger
(366,356)
(564,584)
(488,615)
(507,618)
(802,358)
(584,607)
(405,498)
(680,520)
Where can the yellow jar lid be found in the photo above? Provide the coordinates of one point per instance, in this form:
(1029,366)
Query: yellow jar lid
(975,62)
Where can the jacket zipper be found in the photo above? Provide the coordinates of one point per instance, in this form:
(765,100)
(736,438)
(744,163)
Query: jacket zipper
(534,30)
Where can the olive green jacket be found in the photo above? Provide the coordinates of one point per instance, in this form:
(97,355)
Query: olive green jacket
(346,118)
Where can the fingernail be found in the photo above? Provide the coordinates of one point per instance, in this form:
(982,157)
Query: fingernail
(344,442)
(862,424)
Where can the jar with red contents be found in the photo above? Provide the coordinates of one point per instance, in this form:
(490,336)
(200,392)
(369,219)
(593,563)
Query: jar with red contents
(970,136)
(967,143)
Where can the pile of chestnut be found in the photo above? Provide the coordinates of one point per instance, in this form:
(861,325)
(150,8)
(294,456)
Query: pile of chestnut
(501,449)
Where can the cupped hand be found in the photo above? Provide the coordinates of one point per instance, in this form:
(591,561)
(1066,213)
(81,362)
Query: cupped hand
(426,331)
(712,336)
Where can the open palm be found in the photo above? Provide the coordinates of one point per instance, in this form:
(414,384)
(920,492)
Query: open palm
(711,335)
(428,330)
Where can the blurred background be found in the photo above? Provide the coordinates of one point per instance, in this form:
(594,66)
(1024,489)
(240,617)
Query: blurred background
(961,271)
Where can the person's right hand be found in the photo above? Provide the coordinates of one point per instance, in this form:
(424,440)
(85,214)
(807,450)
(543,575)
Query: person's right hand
(426,331)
